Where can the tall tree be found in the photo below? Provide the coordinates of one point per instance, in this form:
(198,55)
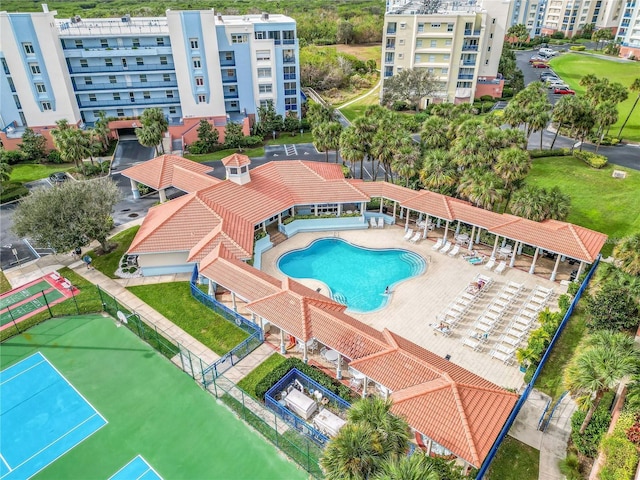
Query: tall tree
(5,171)
(154,124)
(318,113)
(411,85)
(71,142)
(34,146)
(233,136)
(352,148)
(207,137)
(102,130)
(326,136)
(564,112)
(406,160)
(417,466)
(595,370)
(439,172)
(601,35)
(68,216)
(481,187)
(627,254)
(434,132)
(558,204)
(540,117)
(605,115)
(512,167)
(519,32)
(635,87)
(344,33)
(529,202)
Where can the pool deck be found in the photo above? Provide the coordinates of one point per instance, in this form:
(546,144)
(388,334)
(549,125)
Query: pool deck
(415,303)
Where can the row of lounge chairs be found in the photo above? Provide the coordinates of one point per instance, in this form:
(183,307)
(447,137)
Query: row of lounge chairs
(412,236)
(376,222)
(456,310)
(502,266)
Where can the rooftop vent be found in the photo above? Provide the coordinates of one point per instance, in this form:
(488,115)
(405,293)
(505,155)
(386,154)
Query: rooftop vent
(265,16)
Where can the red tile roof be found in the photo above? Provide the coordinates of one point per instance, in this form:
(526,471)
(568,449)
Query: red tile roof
(236,160)
(158,172)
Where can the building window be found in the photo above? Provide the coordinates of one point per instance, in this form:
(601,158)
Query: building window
(12,86)
(400,56)
(160,41)
(139,61)
(231,73)
(431,70)
(403,25)
(104,43)
(488,49)
(264,72)
(233,104)
(239,38)
(446,57)
(169,93)
(420,27)
(491,35)
(290,103)
(445,71)
(146,95)
(449,27)
(447,42)
(40,88)
(92,97)
(419,43)
(112,79)
(116,96)
(199,81)
(108,62)
(35,68)
(88,81)
(46,105)
(263,55)
(435,25)
(120,112)
(132,97)
(433,44)
(493,21)
(288,36)
(5,67)
(432,58)
(193,42)
(289,88)
(274,35)
(418,58)
(265,88)
(166,77)
(289,73)
(172,110)
(79,44)
(163,60)
(143,78)
(401,41)
(17,100)
(96,113)
(202,98)
(486,62)
(196,62)
(266,103)
(135,42)
(260,36)
(228,56)
(28,48)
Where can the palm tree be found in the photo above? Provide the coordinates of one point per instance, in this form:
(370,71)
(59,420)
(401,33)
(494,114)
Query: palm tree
(558,204)
(627,254)
(512,166)
(606,114)
(353,454)
(405,161)
(438,172)
(322,138)
(334,129)
(482,187)
(154,124)
(351,148)
(71,142)
(418,466)
(563,113)
(529,202)
(318,113)
(595,370)
(635,87)
(434,133)
(540,117)
(102,130)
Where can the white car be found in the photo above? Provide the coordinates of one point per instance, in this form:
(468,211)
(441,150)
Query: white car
(548,52)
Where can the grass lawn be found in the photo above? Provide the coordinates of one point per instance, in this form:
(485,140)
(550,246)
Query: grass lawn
(550,379)
(248,383)
(598,201)
(174,301)
(361,52)
(5,286)
(108,263)
(514,461)
(572,67)
(28,172)
(357,109)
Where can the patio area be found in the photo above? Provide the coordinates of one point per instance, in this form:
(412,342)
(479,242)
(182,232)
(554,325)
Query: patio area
(417,305)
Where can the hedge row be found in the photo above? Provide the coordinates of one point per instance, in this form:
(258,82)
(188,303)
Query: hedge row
(578,48)
(592,159)
(563,152)
(588,442)
(621,455)
(281,370)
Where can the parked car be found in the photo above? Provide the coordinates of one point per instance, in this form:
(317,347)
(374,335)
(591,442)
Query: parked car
(548,51)
(557,84)
(58,177)
(539,65)
(537,58)
(548,76)
(563,91)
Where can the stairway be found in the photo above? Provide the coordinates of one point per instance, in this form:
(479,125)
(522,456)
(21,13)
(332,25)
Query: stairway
(277,237)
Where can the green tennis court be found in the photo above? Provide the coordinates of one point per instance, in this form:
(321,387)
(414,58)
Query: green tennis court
(21,295)
(33,305)
(153,409)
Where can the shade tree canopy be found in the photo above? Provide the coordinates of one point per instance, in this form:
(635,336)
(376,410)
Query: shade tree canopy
(411,86)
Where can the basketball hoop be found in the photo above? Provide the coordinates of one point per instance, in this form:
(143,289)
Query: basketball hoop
(122,317)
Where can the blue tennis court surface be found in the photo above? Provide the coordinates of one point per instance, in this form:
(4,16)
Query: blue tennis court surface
(42,416)
(136,469)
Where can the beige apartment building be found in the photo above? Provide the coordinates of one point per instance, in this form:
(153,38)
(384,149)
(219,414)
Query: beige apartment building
(571,16)
(459,44)
(628,35)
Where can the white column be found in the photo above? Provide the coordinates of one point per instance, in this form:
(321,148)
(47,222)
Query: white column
(520,248)
(210,290)
(316,209)
(163,195)
(363,207)
(580,270)
(134,189)
(533,264)
(438,222)
(264,226)
(280,219)
(406,223)
(555,268)
(233,299)
(282,349)
(429,447)
(426,227)
(395,204)
(495,247)
(365,385)
(305,358)
(401,213)
(381,202)
(473,231)
(513,255)
(446,230)
(339,209)
(478,235)
(458,228)
(339,369)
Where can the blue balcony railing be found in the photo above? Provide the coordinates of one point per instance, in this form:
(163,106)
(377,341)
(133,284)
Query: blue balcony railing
(290,92)
(229,79)
(122,86)
(119,68)
(465,77)
(390,46)
(289,59)
(468,62)
(227,63)
(473,33)
(468,48)
(391,31)
(230,95)
(126,102)
(290,41)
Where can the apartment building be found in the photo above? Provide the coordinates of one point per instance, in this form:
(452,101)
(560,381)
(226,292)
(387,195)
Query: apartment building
(571,16)
(190,64)
(459,44)
(628,34)
(530,13)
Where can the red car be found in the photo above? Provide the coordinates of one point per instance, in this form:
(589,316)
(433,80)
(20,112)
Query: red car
(563,91)
(539,65)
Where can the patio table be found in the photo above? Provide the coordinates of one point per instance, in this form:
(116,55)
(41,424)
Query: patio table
(462,238)
(331,356)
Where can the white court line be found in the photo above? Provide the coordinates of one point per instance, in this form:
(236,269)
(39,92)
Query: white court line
(23,371)
(149,467)
(6,463)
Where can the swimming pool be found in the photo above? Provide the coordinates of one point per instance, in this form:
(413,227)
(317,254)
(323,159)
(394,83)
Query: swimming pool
(356,276)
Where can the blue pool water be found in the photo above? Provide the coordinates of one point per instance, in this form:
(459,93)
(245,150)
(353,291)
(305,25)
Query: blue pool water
(356,276)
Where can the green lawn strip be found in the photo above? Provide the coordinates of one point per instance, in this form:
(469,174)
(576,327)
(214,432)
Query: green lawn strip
(572,67)
(87,299)
(220,154)
(28,172)
(288,139)
(598,201)
(550,380)
(515,461)
(5,286)
(108,263)
(248,383)
(174,301)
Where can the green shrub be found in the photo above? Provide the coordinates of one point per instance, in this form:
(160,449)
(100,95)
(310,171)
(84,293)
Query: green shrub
(550,153)
(592,159)
(621,455)
(11,191)
(573,288)
(253,141)
(588,442)
(564,301)
(570,467)
(12,156)
(54,157)
(280,371)
(486,98)
(577,48)
(557,35)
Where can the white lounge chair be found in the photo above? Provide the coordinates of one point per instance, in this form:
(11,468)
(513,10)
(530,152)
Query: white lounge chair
(489,265)
(416,237)
(446,247)
(454,251)
(501,267)
(381,222)
(373,222)
(408,235)
(437,245)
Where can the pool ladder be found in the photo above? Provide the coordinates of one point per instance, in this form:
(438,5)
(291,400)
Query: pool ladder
(340,298)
